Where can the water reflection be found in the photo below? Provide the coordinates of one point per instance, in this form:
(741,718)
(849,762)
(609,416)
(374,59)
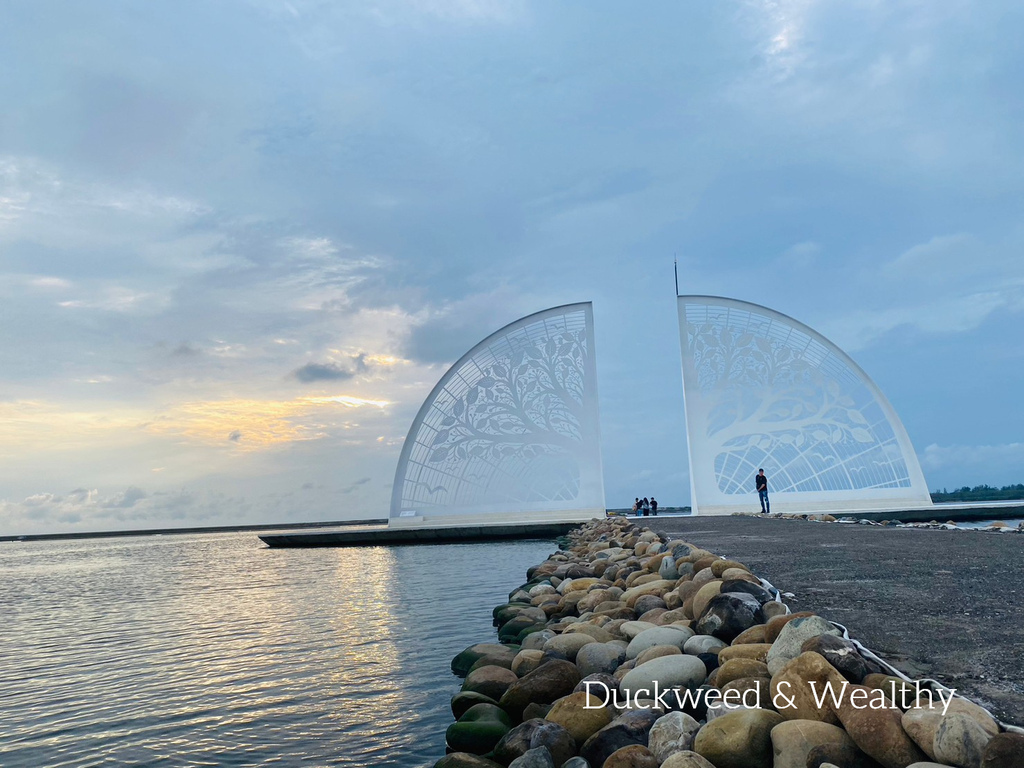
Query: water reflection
(213,650)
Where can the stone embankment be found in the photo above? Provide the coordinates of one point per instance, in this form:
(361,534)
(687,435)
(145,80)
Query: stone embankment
(628,650)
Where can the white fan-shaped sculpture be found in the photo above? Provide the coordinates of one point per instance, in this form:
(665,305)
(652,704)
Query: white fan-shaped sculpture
(510,433)
(762,390)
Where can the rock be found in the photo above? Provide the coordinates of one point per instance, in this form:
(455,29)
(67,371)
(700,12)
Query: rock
(568,644)
(757,651)
(511,630)
(686,760)
(526,661)
(599,634)
(877,731)
(794,740)
(462,701)
(921,724)
(532,734)
(753,635)
(740,739)
(719,567)
(772,609)
(575,762)
(840,653)
(491,681)
(536,640)
(961,706)
(728,614)
(668,672)
(465,760)
(761,594)
(631,629)
(704,596)
(961,742)
(633,756)
(774,625)
(1004,751)
(667,570)
(649,638)
(597,683)
(463,661)
(552,680)
(792,637)
(805,680)
(657,652)
(900,692)
(699,644)
(538,757)
(672,733)
(582,715)
(647,603)
(628,728)
(478,730)
(734,669)
(599,657)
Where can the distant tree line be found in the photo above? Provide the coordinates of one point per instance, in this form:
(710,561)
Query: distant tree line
(980,493)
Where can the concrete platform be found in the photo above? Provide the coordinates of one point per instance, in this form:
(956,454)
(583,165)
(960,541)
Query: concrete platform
(385,537)
(942,604)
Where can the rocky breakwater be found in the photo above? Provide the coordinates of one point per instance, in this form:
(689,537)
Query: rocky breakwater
(625,649)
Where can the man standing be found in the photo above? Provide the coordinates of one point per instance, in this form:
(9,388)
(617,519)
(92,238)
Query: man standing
(654,506)
(761,483)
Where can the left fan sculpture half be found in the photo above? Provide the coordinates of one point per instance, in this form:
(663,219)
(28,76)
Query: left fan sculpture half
(510,433)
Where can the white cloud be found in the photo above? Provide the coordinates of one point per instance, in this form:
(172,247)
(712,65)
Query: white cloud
(972,465)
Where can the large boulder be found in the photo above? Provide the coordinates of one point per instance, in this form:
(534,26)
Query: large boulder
(532,734)
(581,714)
(464,660)
(538,757)
(479,729)
(1004,751)
(961,742)
(463,700)
(788,645)
(672,733)
(686,760)
(794,741)
(740,739)
(650,638)
(803,682)
(465,760)
(490,681)
(874,723)
(729,614)
(668,672)
(841,654)
(568,644)
(599,657)
(633,756)
(628,728)
(552,680)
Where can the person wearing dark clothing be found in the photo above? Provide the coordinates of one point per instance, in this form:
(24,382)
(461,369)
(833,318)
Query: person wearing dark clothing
(654,506)
(647,506)
(761,484)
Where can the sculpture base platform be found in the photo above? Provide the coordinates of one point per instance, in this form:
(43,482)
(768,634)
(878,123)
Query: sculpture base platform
(420,534)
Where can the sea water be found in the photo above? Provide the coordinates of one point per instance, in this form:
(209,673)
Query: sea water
(213,650)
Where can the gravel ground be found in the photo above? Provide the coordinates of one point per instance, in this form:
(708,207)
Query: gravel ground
(947,605)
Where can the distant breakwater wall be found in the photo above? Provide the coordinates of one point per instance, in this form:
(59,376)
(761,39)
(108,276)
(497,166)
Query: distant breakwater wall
(625,649)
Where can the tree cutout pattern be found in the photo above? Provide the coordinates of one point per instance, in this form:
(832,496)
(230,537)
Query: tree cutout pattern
(514,422)
(791,406)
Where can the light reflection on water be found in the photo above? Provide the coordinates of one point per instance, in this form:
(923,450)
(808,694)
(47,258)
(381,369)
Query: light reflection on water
(214,650)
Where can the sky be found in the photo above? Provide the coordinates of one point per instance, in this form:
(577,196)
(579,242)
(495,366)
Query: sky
(241,241)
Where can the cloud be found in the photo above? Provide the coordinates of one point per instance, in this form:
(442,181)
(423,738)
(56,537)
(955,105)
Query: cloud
(311,372)
(975,464)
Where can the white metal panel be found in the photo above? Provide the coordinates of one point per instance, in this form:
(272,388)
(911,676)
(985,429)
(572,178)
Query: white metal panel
(763,390)
(511,429)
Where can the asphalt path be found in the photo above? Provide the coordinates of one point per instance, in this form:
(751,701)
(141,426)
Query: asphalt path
(947,605)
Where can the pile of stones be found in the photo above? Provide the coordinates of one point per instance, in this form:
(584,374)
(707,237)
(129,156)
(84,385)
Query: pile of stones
(627,650)
(997,526)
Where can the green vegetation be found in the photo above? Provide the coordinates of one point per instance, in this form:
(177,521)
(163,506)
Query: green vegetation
(980,493)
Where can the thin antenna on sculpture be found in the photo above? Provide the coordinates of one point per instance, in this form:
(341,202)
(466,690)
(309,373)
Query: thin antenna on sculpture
(675,266)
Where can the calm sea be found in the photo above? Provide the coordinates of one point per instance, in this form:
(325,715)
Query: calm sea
(212,650)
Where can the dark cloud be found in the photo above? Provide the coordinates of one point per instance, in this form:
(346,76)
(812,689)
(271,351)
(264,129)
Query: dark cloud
(311,372)
(184,350)
(235,436)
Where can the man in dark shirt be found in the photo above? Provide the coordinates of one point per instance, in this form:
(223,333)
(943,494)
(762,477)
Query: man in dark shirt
(761,483)
(654,506)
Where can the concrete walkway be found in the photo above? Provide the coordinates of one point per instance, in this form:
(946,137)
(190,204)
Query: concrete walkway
(942,604)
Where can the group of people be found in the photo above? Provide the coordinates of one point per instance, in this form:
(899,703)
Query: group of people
(645,506)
